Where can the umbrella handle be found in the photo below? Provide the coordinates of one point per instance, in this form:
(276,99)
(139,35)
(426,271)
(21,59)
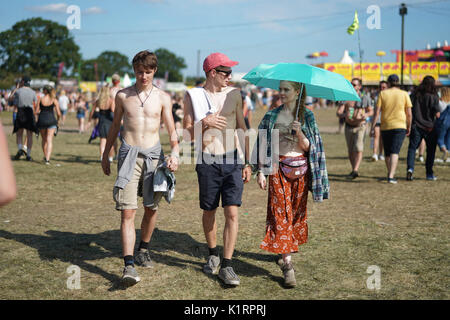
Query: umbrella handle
(298,106)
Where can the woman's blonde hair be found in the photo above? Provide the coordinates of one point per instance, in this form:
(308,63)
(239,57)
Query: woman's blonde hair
(301,112)
(103,96)
(49,89)
(445,94)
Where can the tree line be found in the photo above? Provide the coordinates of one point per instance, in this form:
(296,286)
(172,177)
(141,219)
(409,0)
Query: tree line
(36,47)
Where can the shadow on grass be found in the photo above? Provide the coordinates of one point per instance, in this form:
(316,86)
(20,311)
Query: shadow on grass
(70,158)
(360,179)
(84,249)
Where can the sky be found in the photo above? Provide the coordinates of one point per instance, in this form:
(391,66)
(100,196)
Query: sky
(248,31)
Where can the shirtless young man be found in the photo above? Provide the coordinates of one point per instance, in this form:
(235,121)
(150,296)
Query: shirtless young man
(141,107)
(216,111)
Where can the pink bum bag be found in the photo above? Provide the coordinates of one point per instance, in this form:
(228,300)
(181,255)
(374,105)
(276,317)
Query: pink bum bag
(294,167)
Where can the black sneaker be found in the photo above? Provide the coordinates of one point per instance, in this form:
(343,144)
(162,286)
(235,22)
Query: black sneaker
(29,158)
(392,180)
(142,259)
(409,176)
(353,175)
(19,154)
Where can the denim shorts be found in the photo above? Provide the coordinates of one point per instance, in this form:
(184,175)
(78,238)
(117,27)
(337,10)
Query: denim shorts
(392,140)
(219,180)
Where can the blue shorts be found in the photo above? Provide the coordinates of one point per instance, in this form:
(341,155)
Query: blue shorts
(392,140)
(219,179)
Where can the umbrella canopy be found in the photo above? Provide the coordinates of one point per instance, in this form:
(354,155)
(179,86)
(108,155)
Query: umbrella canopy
(439,53)
(319,83)
(381,53)
(323,54)
(316,54)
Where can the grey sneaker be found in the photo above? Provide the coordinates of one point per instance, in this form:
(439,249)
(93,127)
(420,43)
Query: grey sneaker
(228,276)
(142,259)
(212,265)
(289,275)
(130,276)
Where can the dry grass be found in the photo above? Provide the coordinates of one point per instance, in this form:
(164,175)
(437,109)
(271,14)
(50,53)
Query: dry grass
(64,215)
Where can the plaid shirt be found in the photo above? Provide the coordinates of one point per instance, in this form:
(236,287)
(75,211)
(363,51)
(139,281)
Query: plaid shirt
(318,184)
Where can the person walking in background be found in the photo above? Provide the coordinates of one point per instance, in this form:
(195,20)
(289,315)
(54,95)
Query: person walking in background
(25,104)
(47,123)
(425,101)
(442,124)
(301,167)
(356,113)
(377,148)
(105,115)
(81,109)
(395,107)
(63,106)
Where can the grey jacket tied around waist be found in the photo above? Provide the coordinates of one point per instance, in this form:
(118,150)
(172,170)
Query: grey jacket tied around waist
(127,161)
(164,181)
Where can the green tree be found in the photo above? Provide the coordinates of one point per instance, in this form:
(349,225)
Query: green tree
(36,46)
(171,63)
(108,63)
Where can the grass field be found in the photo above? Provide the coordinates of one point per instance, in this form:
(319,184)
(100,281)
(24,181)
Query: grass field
(64,215)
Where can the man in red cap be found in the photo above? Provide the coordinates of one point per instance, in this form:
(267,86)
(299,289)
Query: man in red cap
(212,116)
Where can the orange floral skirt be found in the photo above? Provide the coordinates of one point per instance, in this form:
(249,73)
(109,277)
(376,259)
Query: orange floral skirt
(286,224)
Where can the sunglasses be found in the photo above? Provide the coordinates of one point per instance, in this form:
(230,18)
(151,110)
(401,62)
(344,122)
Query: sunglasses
(225,73)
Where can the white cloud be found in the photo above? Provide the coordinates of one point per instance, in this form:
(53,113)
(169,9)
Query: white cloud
(94,10)
(54,7)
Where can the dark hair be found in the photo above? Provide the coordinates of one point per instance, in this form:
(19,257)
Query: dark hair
(382,81)
(359,80)
(428,85)
(145,58)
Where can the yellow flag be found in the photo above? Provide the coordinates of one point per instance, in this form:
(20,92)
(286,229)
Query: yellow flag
(355,24)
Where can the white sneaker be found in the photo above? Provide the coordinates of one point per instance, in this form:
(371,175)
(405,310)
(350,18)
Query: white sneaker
(381,157)
(374,158)
(438,160)
(421,159)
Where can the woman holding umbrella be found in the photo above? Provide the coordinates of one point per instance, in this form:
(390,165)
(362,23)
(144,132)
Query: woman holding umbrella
(298,167)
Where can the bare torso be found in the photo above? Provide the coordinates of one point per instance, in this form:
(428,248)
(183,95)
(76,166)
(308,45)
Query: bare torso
(217,141)
(288,143)
(141,124)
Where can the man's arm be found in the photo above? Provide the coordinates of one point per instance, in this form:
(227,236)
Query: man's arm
(172,162)
(188,119)
(112,134)
(408,120)
(240,125)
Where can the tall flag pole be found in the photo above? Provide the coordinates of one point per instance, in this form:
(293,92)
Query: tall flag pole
(350,30)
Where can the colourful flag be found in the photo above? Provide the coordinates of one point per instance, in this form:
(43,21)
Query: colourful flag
(355,24)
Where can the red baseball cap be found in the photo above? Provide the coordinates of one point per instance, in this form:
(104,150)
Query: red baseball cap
(217,59)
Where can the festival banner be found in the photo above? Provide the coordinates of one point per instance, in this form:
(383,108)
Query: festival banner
(340,68)
(88,86)
(389,68)
(425,68)
(444,68)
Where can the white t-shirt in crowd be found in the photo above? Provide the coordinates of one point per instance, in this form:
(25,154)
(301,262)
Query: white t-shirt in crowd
(63,102)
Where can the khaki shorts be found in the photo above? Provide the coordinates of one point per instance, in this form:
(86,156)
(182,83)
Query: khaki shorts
(126,198)
(355,138)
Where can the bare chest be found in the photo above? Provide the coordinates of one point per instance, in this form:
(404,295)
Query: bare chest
(141,108)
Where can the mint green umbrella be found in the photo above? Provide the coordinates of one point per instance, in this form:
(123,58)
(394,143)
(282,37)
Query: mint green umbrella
(319,83)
